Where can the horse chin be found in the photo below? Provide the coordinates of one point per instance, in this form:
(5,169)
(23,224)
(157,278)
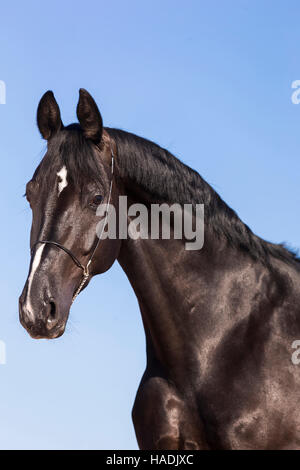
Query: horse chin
(57,334)
(54,334)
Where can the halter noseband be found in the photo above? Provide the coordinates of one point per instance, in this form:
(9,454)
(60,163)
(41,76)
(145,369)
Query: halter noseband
(85,269)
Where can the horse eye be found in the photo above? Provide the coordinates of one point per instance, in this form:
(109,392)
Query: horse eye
(97,200)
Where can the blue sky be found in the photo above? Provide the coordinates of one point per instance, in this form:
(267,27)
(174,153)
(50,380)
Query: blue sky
(210,81)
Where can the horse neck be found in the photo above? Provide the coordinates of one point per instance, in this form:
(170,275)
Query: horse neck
(170,283)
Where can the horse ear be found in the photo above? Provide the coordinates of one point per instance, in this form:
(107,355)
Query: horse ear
(48,116)
(89,117)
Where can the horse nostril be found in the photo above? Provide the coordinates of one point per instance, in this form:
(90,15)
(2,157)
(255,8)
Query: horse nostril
(51,316)
(52,310)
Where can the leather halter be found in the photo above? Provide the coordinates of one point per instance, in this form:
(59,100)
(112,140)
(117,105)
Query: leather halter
(85,269)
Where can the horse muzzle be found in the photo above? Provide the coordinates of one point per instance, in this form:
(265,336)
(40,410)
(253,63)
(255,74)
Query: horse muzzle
(45,321)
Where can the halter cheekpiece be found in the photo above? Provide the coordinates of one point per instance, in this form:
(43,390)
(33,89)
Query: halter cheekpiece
(85,269)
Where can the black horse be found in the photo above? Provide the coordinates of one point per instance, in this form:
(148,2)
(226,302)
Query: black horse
(220,322)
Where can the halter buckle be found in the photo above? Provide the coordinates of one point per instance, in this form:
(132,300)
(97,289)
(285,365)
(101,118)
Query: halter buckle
(86,271)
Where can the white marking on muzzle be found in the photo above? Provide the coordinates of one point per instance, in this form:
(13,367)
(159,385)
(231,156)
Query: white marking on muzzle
(63,183)
(34,266)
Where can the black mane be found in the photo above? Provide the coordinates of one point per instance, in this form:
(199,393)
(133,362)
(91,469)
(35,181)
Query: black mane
(164,177)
